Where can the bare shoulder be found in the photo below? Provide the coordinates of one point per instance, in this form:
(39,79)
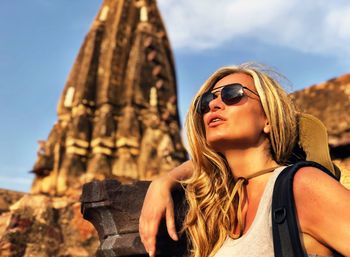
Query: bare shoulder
(310,182)
(323,208)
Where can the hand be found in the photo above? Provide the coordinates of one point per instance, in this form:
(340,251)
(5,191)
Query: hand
(157,204)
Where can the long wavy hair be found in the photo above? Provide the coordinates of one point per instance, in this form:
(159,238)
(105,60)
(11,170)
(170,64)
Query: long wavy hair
(211,216)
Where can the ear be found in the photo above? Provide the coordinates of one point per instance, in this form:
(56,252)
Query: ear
(267,127)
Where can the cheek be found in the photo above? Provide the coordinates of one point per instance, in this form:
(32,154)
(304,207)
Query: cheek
(249,123)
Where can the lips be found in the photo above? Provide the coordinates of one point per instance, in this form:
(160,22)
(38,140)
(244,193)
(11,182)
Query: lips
(215,119)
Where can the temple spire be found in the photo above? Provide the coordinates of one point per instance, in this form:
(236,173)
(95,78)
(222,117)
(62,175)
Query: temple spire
(117,116)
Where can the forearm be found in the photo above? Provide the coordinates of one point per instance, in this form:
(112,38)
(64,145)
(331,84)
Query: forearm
(174,177)
(182,172)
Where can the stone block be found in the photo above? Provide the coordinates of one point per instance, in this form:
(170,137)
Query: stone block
(114,209)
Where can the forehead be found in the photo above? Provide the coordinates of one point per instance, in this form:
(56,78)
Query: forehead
(241,78)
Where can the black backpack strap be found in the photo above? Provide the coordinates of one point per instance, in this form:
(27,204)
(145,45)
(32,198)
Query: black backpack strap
(285,228)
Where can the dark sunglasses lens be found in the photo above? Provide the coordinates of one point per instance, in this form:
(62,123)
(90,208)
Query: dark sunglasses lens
(206,98)
(231,94)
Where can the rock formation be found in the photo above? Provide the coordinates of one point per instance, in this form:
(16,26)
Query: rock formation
(43,226)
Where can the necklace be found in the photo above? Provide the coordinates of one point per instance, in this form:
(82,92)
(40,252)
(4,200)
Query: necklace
(257,174)
(238,191)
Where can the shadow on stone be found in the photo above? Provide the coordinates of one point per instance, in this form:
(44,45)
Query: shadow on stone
(114,209)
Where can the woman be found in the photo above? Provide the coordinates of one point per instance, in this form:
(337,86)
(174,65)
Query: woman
(241,130)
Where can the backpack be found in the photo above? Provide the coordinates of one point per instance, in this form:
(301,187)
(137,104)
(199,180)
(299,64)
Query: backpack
(285,229)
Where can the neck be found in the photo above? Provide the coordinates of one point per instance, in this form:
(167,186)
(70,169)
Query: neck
(245,162)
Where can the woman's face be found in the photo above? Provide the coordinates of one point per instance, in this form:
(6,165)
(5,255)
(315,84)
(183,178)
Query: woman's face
(240,125)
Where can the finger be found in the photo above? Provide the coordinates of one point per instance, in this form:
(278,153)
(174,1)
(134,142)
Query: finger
(148,232)
(170,221)
(150,245)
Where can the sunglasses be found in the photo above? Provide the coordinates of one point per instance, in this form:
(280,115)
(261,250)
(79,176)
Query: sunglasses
(230,94)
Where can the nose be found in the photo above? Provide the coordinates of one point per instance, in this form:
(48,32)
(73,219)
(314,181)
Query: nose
(216,104)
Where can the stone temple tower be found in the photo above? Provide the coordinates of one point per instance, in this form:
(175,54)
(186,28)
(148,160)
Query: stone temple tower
(117,116)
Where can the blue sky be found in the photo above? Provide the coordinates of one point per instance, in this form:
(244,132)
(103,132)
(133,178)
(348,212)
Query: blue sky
(307,41)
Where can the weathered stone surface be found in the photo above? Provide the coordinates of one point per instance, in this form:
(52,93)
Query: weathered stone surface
(44,226)
(114,210)
(7,198)
(344,166)
(117,116)
(330,102)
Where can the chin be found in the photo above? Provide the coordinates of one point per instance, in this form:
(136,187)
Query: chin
(219,138)
(212,136)
(222,144)
(218,144)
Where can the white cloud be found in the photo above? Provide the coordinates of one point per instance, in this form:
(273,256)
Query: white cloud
(338,22)
(313,26)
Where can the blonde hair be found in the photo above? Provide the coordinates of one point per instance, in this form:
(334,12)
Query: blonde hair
(211,217)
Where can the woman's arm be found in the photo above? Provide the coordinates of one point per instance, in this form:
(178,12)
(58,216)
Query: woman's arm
(323,208)
(159,203)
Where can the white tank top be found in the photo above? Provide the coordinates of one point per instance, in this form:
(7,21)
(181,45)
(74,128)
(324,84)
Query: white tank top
(258,240)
